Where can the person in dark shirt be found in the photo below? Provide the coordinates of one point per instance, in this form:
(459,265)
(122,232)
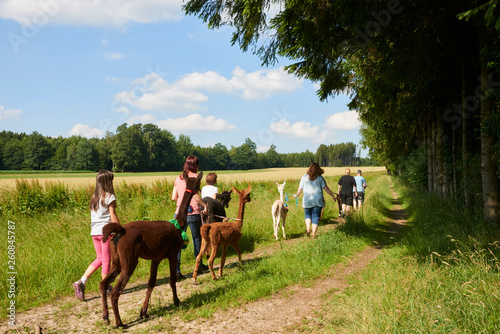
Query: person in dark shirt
(346,190)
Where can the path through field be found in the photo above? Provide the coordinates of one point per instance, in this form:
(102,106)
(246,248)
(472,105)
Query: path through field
(283,312)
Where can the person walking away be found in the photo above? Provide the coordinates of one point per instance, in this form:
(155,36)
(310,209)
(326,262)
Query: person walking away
(210,190)
(360,188)
(194,217)
(313,184)
(102,211)
(346,190)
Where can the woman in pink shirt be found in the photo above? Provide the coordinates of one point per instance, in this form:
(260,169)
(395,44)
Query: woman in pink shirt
(194,216)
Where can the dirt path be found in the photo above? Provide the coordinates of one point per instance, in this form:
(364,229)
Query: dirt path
(280,313)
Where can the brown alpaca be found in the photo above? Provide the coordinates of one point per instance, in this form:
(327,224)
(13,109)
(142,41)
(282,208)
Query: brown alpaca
(222,234)
(150,240)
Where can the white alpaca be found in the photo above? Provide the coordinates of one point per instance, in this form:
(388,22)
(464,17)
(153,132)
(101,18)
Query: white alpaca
(279,211)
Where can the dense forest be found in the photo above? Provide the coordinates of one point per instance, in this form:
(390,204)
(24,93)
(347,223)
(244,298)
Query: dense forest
(423,75)
(141,148)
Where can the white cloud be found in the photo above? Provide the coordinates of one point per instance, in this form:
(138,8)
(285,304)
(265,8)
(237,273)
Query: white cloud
(209,81)
(264,83)
(196,122)
(96,13)
(9,114)
(300,130)
(263,149)
(85,131)
(347,120)
(153,92)
(143,119)
(113,55)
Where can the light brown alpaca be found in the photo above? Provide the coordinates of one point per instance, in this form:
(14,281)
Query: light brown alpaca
(150,240)
(223,234)
(279,212)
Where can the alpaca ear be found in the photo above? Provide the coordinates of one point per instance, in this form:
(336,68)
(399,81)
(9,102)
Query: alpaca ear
(277,183)
(200,176)
(284,183)
(235,190)
(249,187)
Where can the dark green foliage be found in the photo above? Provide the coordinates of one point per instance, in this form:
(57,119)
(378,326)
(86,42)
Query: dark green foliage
(147,148)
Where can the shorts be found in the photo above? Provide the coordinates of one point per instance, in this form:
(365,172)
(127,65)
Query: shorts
(360,197)
(313,213)
(346,198)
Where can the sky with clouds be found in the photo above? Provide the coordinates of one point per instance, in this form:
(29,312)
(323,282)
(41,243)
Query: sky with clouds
(84,67)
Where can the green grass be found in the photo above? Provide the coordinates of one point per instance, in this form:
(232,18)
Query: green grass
(53,244)
(441,277)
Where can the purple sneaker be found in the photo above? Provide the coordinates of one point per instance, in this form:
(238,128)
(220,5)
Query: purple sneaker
(79,290)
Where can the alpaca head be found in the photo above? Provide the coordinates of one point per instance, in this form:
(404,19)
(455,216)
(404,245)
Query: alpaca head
(224,198)
(193,183)
(244,194)
(281,187)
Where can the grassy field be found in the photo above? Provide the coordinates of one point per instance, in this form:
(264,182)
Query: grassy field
(441,276)
(52,220)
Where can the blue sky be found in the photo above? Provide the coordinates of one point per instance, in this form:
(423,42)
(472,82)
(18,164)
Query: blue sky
(85,67)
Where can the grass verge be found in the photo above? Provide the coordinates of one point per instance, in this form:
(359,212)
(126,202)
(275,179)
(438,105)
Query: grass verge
(441,277)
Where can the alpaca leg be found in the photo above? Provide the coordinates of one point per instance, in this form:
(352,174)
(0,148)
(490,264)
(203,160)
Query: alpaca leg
(283,227)
(151,286)
(273,213)
(103,288)
(215,249)
(199,258)
(276,226)
(127,271)
(236,247)
(172,263)
(222,259)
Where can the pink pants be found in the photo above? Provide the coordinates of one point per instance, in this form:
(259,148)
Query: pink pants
(103,255)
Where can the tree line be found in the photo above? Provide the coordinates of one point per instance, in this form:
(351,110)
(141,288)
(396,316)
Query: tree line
(147,148)
(423,76)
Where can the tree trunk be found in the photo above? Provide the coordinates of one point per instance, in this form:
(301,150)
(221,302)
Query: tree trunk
(454,185)
(465,150)
(434,155)
(491,198)
(439,156)
(430,158)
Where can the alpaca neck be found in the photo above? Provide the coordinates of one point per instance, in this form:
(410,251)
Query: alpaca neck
(241,213)
(281,196)
(183,207)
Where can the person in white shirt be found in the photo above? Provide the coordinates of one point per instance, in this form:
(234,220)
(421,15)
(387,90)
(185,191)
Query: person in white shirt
(210,190)
(102,211)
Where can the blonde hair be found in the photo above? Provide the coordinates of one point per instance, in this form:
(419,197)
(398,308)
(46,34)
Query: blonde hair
(103,186)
